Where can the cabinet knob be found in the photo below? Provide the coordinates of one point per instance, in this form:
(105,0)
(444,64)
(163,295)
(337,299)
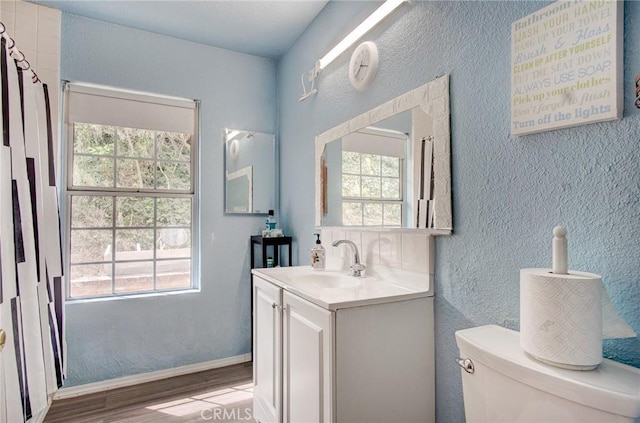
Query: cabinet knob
(3,339)
(279,307)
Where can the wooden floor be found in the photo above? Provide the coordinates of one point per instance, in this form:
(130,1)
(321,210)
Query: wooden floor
(218,395)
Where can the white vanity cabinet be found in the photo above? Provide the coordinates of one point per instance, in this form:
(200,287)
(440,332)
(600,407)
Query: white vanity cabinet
(371,361)
(267,351)
(307,361)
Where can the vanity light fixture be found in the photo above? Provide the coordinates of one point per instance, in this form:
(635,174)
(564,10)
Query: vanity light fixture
(373,19)
(376,17)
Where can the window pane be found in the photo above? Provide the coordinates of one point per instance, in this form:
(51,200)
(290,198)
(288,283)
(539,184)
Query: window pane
(134,211)
(370,164)
(90,245)
(91,211)
(173,146)
(172,175)
(93,139)
(352,214)
(390,166)
(372,214)
(174,212)
(370,187)
(391,188)
(136,143)
(135,173)
(173,274)
(350,162)
(93,171)
(134,244)
(90,280)
(134,277)
(173,243)
(393,215)
(350,186)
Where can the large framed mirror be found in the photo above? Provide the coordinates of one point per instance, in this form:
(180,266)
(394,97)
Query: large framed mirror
(389,167)
(250,172)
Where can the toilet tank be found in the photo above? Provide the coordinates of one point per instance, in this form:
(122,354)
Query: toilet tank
(506,385)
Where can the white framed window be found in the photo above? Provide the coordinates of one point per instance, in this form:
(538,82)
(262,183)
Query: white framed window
(131,192)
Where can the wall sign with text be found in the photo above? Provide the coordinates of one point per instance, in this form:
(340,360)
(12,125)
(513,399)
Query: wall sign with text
(566,66)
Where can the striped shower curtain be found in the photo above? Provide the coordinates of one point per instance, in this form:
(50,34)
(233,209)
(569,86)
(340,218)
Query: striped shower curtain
(31,280)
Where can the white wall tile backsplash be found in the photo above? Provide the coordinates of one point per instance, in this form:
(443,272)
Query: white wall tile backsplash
(26,20)
(327,239)
(408,251)
(354,237)
(25,8)
(47,60)
(47,26)
(415,256)
(27,34)
(36,31)
(50,14)
(370,247)
(391,249)
(49,44)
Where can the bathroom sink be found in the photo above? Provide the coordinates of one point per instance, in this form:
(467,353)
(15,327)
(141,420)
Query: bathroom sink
(334,289)
(307,278)
(331,280)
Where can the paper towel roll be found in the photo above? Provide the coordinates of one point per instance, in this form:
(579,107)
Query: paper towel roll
(561,317)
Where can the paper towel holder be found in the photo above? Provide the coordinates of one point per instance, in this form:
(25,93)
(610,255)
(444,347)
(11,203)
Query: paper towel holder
(560,265)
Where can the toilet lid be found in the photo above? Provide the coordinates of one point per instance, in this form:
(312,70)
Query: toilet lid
(612,387)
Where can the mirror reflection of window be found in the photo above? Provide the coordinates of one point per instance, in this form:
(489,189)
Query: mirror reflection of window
(371,194)
(239,197)
(250,172)
(366,181)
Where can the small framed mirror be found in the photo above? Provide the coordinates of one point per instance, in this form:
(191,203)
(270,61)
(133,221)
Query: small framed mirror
(250,172)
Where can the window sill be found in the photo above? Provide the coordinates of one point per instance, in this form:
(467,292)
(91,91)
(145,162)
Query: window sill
(71,301)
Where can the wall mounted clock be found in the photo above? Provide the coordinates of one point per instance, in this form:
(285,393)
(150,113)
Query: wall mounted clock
(363,65)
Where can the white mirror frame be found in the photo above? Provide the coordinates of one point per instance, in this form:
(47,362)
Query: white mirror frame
(433,99)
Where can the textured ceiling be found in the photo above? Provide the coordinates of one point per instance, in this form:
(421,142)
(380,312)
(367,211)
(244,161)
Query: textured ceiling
(262,28)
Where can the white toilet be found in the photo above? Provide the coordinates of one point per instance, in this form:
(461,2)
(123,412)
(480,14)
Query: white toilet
(502,384)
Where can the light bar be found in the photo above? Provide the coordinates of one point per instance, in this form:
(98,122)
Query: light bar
(377,16)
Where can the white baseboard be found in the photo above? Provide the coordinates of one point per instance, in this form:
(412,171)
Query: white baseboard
(107,385)
(40,415)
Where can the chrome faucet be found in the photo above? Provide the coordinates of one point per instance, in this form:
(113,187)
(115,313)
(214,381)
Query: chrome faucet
(356,268)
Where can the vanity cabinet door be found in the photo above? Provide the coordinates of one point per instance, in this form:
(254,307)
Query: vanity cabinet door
(307,361)
(267,351)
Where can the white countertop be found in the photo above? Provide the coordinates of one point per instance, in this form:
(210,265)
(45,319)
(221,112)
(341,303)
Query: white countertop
(334,290)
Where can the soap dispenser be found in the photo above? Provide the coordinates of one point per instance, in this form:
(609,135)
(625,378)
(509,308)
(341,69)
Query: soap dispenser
(271,221)
(318,255)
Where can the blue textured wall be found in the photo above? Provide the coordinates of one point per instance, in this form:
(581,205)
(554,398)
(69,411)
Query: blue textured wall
(108,339)
(508,193)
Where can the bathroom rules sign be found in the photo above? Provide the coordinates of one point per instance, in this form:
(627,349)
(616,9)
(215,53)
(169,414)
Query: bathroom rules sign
(566,66)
